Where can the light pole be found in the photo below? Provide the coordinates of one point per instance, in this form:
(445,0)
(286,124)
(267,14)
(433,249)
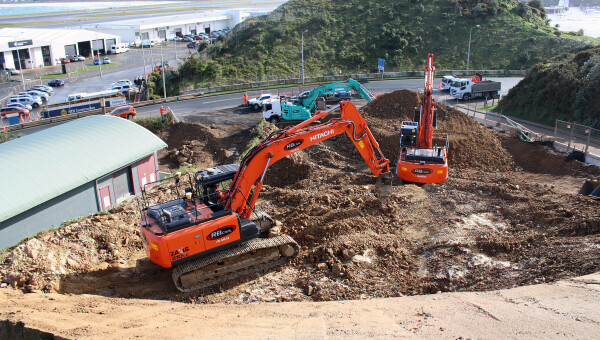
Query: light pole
(303,55)
(144,57)
(162,67)
(469,50)
(98,53)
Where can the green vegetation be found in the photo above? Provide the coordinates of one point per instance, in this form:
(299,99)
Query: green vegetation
(6,136)
(565,87)
(350,35)
(255,138)
(187,168)
(78,70)
(155,124)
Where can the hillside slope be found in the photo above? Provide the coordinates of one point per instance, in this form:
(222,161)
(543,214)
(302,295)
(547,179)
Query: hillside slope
(566,87)
(350,35)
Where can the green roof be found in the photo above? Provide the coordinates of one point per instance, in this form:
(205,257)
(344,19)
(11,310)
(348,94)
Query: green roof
(38,167)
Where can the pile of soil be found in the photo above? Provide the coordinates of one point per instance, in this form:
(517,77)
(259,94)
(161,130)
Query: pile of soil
(488,227)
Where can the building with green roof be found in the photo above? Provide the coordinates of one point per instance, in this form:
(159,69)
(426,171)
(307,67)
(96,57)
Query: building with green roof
(71,170)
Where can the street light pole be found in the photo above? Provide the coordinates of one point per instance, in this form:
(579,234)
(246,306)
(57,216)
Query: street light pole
(303,55)
(98,53)
(469,50)
(162,67)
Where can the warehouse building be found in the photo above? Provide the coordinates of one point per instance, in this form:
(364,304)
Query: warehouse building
(27,48)
(71,170)
(170,26)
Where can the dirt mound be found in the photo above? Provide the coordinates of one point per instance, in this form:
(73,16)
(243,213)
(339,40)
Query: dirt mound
(487,227)
(470,144)
(541,159)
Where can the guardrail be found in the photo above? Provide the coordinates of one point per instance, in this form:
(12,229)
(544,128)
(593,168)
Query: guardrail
(356,76)
(51,120)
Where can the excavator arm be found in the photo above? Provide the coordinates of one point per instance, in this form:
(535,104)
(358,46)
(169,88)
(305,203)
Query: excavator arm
(248,181)
(345,85)
(426,122)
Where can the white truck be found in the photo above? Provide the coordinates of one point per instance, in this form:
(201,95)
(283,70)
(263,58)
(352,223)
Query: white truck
(447,82)
(466,89)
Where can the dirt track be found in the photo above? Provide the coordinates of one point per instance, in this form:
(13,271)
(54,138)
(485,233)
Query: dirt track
(508,216)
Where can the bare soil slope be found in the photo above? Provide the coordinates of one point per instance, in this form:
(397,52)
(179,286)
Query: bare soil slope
(496,223)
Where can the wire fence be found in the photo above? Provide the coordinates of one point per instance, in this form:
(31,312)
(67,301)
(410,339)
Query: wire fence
(576,136)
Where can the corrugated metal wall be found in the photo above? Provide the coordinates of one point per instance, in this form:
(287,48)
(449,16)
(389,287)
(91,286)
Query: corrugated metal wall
(77,202)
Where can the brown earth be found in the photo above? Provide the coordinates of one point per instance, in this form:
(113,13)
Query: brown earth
(501,220)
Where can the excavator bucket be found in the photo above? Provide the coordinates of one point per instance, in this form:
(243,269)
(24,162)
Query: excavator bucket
(590,188)
(384,187)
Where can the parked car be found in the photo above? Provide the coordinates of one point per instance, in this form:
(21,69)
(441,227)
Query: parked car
(189,39)
(121,87)
(10,110)
(20,106)
(124,112)
(33,93)
(64,60)
(42,88)
(106,60)
(97,61)
(58,82)
(13,72)
(147,43)
(34,102)
(192,45)
(77,58)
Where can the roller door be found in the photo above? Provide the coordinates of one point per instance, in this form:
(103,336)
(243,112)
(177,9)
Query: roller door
(122,185)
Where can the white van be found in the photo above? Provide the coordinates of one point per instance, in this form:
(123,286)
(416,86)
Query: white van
(119,48)
(26,100)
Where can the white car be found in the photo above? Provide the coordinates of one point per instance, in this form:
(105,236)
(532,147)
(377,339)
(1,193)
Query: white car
(106,60)
(42,88)
(29,100)
(147,43)
(19,105)
(13,72)
(257,102)
(121,87)
(123,82)
(35,93)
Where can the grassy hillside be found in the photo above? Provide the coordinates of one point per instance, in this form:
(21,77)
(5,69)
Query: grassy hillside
(350,35)
(565,87)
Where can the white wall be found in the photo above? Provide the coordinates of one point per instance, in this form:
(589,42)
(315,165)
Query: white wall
(8,60)
(37,59)
(57,51)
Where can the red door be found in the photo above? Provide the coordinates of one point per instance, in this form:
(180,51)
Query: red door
(105,198)
(146,170)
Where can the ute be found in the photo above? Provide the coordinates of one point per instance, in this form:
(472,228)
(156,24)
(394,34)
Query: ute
(210,233)
(419,160)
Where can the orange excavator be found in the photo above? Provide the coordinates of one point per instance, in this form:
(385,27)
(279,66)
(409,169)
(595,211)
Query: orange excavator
(420,161)
(210,233)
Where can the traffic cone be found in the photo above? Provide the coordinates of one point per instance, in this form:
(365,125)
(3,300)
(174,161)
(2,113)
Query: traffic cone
(29,116)
(38,116)
(21,118)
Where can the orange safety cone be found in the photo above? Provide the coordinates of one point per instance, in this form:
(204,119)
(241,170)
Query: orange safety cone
(29,116)
(162,110)
(21,118)
(38,116)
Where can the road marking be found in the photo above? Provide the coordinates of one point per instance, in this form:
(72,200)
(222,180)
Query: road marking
(216,101)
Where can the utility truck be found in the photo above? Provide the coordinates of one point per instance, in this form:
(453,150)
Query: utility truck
(305,105)
(466,89)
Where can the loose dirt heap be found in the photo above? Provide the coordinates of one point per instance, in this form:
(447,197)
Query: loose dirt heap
(499,221)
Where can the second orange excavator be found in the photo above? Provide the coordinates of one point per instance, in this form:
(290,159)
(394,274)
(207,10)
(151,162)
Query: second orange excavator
(420,161)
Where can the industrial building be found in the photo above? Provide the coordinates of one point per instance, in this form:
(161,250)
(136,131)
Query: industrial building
(170,26)
(74,169)
(27,48)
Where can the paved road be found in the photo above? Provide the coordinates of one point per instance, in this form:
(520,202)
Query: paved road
(202,109)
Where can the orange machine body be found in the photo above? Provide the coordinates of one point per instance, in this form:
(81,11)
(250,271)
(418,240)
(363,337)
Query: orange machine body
(215,212)
(419,160)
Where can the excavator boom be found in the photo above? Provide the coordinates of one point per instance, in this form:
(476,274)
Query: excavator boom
(286,142)
(212,234)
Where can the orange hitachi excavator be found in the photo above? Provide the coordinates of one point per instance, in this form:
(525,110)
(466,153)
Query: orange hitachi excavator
(210,233)
(420,161)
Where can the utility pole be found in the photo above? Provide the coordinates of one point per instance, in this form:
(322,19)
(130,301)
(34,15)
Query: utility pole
(162,67)
(303,55)
(469,50)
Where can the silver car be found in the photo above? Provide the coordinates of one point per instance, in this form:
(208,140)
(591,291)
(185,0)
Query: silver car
(33,101)
(19,105)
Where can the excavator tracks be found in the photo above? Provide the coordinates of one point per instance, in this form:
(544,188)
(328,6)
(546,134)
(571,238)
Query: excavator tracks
(249,257)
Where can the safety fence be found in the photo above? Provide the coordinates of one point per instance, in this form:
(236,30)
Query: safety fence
(576,136)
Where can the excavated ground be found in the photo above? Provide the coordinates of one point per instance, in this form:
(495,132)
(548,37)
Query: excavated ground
(507,216)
